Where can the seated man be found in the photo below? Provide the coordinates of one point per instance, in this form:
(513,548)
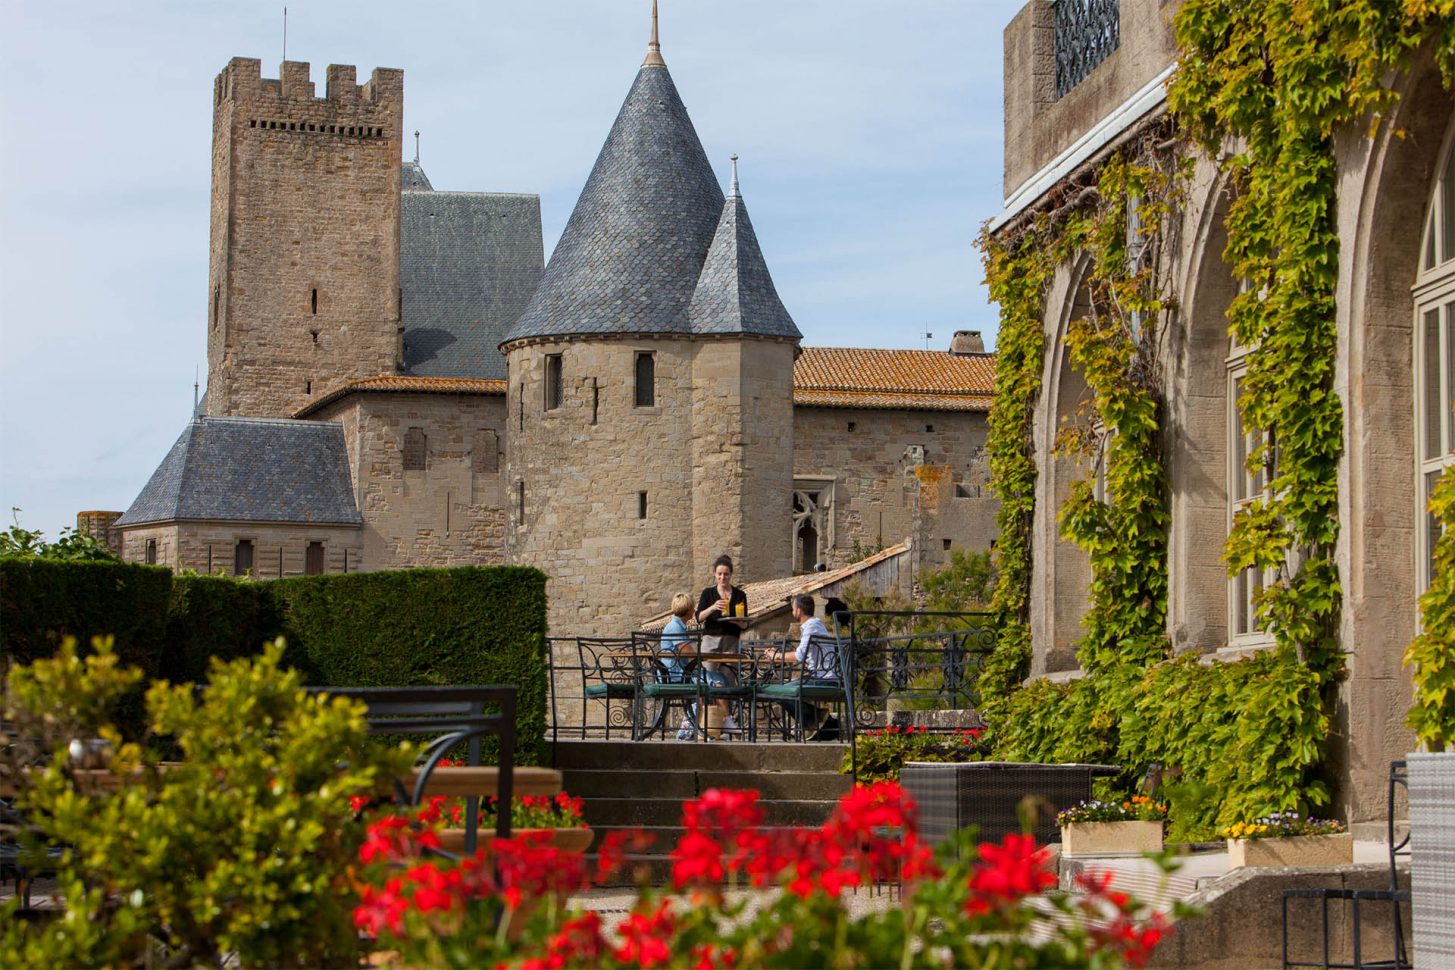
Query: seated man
(817,652)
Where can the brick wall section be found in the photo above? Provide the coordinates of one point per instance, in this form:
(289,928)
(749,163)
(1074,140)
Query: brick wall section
(208,547)
(101,527)
(448,513)
(881,497)
(305,199)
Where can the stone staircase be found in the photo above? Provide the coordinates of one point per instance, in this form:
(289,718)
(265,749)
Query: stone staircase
(642,785)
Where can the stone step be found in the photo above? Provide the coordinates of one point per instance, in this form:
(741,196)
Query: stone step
(684,784)
(712,755)
(624,812)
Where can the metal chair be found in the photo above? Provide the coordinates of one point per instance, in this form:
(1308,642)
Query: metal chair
(800,691)
(608,669)
(662,684)
(1394,896)
(451,716)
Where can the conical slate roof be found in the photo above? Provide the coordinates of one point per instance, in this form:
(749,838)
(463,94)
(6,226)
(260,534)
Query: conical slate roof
(413,179)
(735,293)
(632,251)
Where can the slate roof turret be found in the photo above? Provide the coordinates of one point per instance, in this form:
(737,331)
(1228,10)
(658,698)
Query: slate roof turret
(735,293)
(632,251)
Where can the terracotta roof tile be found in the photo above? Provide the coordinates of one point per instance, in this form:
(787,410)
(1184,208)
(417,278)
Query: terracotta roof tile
(403,384)
(916,379)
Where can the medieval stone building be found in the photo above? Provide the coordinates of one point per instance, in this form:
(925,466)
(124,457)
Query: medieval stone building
(1074,94)
(394,380)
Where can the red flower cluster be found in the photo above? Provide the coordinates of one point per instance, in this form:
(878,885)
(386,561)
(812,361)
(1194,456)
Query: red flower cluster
(1007,873)
(871,837)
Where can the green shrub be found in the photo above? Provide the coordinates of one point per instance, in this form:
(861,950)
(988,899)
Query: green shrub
(240,852)
(214,616)
(882,753)
(43,601)
(420,627)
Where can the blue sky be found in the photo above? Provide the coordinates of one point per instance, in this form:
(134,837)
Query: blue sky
(869,131)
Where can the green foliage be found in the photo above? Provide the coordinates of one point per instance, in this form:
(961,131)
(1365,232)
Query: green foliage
(883,752)
(966,583)
(217,617)
(43,601)
(1432,653)
(243,848)
(472,625)
(71,546)
(419,627)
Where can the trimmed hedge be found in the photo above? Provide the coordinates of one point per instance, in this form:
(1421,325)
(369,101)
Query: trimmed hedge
(470,625)
(43,600)
(417,627)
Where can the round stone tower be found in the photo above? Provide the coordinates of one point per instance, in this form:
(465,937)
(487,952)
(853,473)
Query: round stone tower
(650,386)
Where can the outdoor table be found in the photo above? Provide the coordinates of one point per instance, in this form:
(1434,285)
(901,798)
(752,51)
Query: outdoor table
(96,778)
(652,667)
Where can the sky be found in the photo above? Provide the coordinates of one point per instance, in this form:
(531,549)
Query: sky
(870,136)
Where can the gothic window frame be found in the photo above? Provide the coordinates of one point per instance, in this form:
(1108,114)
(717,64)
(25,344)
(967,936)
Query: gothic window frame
(814,496)
(554,382)
(1242,488)
(1433,359)
(644,384)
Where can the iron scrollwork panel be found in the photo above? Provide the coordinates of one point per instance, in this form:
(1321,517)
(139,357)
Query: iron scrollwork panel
(1087,32)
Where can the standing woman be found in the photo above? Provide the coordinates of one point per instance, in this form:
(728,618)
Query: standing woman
(722,609)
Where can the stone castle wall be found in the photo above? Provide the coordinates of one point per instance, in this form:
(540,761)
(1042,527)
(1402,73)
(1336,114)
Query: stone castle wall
(101,526)
(576,474)
(450,512)
(884,493)
(304,267)
(279,550)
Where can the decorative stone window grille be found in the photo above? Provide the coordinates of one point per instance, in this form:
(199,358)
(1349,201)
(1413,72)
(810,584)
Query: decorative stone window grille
(646,373)
(553,382)
(1244,488)
(313,559)
(813,522)
(1434,362)
(1087,32)
(416,449)
(242,557)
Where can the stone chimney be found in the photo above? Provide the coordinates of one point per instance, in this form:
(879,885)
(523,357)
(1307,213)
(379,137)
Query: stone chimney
(967,342)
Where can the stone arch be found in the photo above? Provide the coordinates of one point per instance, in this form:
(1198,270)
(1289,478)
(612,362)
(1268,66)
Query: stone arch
(1061,571)
(1196,437)
(1384,189)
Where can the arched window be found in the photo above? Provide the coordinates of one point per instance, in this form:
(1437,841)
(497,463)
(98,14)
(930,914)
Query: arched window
(1434,361)
(646,380)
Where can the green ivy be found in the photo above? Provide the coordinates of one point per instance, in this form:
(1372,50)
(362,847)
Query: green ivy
(1432,654)
(1261,86)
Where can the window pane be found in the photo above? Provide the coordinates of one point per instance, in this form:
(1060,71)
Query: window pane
(646,381)
(1448,406)
(1238,486)
(1430,386)
(1432,531)
(1447,209)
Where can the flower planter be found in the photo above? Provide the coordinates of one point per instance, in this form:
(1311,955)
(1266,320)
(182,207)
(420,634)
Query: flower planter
(1432,856)
(567,840)
(1111,838)
(1296,850)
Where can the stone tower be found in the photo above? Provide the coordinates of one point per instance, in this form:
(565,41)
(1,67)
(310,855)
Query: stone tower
(650,394)
(304,270)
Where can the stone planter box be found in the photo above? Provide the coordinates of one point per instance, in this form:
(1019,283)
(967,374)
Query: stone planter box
(1111,838)
(1432,857)
(1298,850)
(567,840)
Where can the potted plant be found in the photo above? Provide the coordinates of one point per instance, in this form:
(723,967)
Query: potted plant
(1288,839)
(1128,827)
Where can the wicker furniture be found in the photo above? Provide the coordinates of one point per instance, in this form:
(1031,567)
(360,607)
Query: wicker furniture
(989,794)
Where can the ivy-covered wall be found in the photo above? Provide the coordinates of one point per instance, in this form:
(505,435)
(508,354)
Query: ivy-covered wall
(1264,89)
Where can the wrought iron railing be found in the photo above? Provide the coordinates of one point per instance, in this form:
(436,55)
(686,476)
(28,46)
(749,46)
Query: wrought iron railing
(1087,31)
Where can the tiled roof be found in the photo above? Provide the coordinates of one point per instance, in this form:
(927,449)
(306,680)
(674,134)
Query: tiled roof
(406,384)
(853,377)
(770,596)
(413,179)
(469,263)
(735,293)
(251,470)
(630,256)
